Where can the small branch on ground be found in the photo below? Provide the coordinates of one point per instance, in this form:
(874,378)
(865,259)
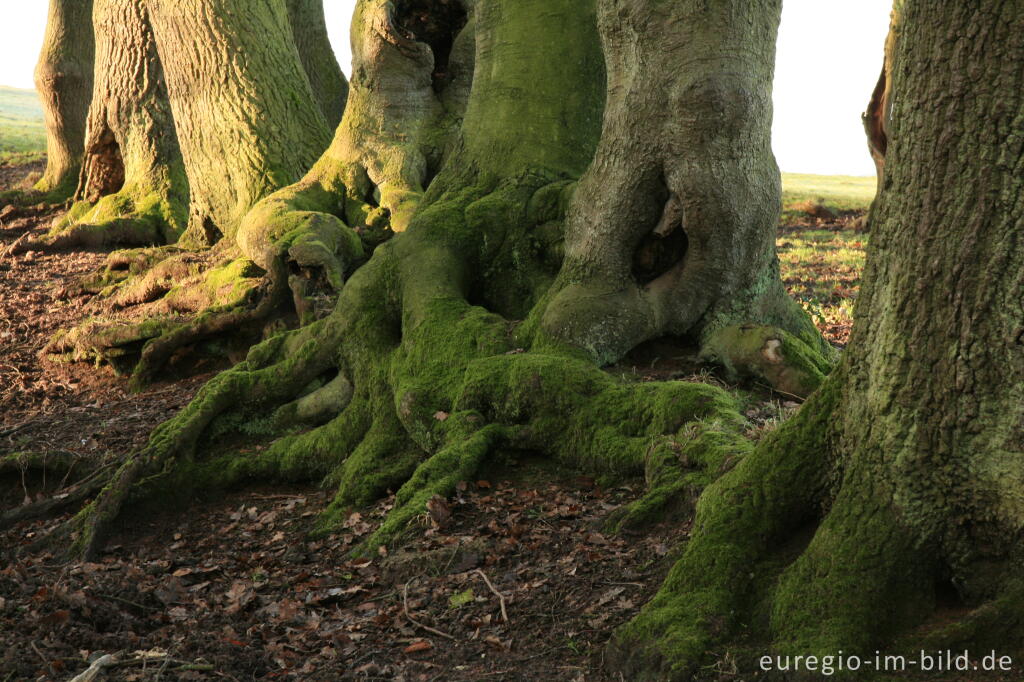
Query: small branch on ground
(504,614)
(408,616)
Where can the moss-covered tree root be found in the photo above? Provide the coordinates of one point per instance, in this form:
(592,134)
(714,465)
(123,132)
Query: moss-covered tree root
(77,479)
(408,386)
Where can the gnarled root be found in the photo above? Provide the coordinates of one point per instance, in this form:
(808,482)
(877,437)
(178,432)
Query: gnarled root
(119,232)
(290,242)
(407,386)
(76,481)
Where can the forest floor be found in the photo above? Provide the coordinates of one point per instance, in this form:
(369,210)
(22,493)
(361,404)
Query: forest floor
(514,580)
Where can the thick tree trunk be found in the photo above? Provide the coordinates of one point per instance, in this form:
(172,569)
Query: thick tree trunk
(64,81)
(245,114)
(309,31)
(672,230)
(133,182)
(909,460)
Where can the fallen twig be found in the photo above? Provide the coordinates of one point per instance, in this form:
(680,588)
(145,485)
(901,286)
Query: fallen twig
(95,669)
(504,614)
(408,616)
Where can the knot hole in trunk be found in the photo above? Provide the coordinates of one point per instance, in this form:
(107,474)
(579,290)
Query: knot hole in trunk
(663,246)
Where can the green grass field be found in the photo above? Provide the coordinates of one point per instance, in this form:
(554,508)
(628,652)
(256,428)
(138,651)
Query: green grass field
(822,267)
(840,193)
(22,134)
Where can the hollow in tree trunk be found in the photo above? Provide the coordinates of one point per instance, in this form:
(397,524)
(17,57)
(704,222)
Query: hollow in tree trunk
(132,190)
(672,230)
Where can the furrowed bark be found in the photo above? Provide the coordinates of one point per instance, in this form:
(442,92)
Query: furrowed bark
(63,78)
(245,114)
(133,187)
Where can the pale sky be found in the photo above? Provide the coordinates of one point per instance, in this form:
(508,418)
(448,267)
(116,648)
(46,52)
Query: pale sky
(829,57)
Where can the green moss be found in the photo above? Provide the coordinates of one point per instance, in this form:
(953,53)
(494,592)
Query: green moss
(740,519)
(137,214)
(769,353)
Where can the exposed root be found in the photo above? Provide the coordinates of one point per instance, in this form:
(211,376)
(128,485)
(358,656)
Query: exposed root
(120,232)
(741,518)
(69,498)
(801,551)
(85,480)
(772,354)
(169,454)
(158,351)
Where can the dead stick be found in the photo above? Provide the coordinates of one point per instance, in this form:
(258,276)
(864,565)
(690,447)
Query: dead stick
(405,612)
(504,615)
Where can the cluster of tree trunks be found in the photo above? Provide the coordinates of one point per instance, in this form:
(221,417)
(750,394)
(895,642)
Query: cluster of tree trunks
(521,191)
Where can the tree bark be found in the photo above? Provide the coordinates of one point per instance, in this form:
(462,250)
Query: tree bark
(133,182)
(908,462)
(397,129)
(672,230)
(246,118)
(877,118)
(309,31)
(64,80)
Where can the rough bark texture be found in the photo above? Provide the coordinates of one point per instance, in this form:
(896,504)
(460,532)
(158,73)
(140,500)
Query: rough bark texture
(309,31)
(245,114)
(405,104)
(64,81)
(133,189)
(672,230)
(907,464)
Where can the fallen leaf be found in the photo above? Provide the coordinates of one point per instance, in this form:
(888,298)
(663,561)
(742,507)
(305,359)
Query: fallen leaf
(460,599)
(416,647)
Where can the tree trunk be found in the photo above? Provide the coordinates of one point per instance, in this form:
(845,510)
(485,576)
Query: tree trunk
(908,462)
(64,81)
(245,114)
(407,96)
(133,185)
(672,230)
(309,30)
